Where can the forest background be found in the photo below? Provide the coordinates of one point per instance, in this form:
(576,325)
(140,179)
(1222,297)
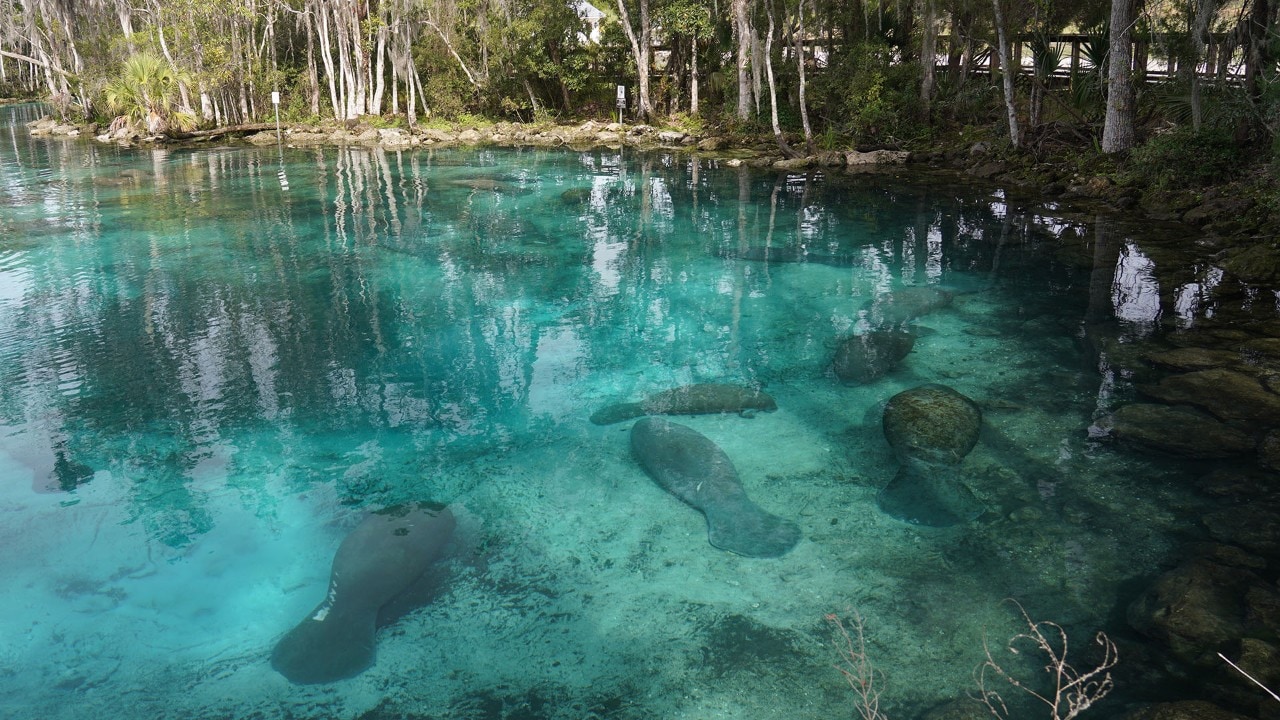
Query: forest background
(813,74)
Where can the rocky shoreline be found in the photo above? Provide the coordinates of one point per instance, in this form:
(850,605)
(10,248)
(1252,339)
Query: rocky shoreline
(757,153)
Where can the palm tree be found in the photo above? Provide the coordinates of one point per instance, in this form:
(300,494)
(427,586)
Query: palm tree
(146,91)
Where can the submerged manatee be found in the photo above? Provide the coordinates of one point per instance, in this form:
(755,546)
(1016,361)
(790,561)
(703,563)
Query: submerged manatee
(906,304)
(931,428)
(933,423)
(385,557)
(867,357)
(697,399)
(691,467)
(797,255)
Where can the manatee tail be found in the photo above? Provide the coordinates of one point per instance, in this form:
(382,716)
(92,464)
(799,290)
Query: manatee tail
(744,528)
(617,413)
(928,495)
(322,651)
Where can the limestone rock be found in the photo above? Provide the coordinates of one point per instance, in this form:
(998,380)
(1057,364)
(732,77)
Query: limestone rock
(1269,451)
(671,137)
(793,163)
(1176,431)
(1229,395)
(933,423)
(1257,263)
(712,144)
(393,137)
(1189,359)
(876,157)
(470,136)
(1202,607)
(1251,526)
(439,136)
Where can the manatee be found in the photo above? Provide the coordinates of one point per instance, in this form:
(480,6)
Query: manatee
(576,196)
(867,357)
(697,399)
(933,423)
(931,428)
(691,467)
(906,304)
(797,255)
(384,558)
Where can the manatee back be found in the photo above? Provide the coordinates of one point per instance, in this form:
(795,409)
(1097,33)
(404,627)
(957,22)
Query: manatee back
(693,468)
(385,554)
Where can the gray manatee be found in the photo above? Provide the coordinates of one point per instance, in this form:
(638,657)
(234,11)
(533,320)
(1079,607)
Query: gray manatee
(380,570)
(696,399)
(903,305)
(797,255)
(931,428)
(691,467)
(867,357)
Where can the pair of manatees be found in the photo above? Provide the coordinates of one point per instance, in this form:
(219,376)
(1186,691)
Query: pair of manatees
(693,468)
(390,563)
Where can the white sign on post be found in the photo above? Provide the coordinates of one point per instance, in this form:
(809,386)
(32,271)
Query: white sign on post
(622,96)
(275,98)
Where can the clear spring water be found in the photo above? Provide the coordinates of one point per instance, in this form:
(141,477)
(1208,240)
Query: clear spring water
(212,361)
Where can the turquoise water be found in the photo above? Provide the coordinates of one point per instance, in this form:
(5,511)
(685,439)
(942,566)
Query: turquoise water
(214,361)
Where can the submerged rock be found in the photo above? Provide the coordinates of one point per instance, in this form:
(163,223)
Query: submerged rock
(1229,395)
(1252,526)
(1174,430)
(867,357)
(1203,607)
(933,423)
(1190,359)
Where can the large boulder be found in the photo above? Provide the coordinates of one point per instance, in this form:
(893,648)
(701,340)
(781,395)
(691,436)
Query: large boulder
(932,423)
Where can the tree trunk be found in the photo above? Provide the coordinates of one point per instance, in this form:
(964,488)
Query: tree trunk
(773,90)
(1008,72)
(1117,128)
(928,54)
(1257,55)
(641,49)
(804,108)
(693,75)
(742,29)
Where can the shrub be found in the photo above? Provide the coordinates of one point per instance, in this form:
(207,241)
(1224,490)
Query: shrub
(1184,158)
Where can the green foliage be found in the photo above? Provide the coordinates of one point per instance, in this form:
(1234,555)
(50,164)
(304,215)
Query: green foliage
(146,92)
(1184,158)
(867,97)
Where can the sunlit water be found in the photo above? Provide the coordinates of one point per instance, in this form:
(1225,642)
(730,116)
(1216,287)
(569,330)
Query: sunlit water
(213,361)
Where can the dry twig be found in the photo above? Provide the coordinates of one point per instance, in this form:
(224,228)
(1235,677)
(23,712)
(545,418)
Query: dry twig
(851,650)
(1073,691)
